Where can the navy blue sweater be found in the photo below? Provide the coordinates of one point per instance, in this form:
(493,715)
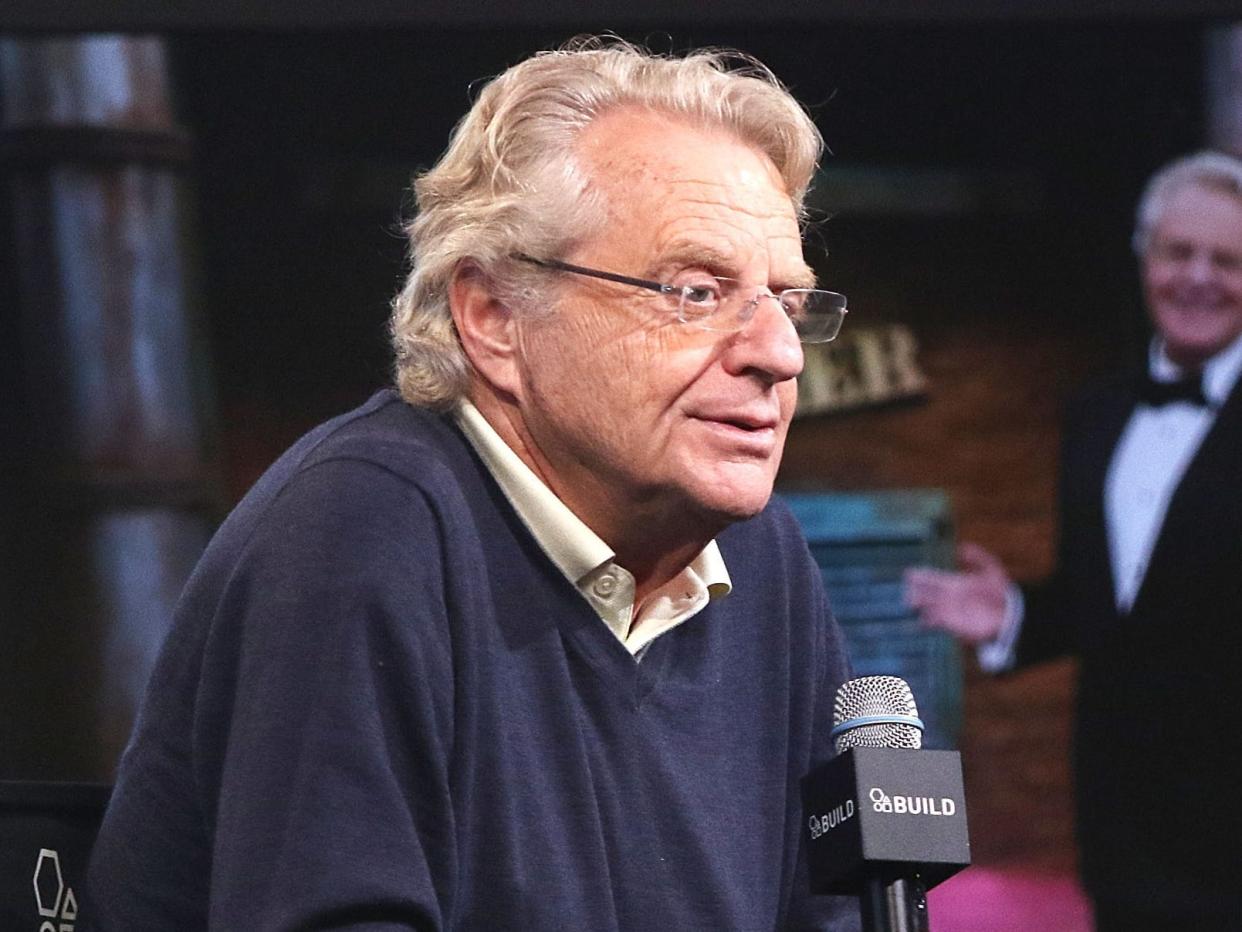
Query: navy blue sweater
(381,706)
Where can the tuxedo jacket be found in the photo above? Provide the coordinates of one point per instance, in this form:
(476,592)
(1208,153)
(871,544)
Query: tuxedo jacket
(1158,759)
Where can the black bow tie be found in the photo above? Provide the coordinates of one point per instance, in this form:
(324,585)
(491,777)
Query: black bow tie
(1188,388)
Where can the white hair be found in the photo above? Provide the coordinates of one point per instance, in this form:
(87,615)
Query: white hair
(509,181)
(1213,171)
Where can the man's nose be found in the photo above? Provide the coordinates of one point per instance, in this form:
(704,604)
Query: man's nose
(1200,267)
(767,343)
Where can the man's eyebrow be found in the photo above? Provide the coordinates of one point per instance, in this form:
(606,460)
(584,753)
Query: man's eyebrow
(804,278)
(698,255)
(718,263)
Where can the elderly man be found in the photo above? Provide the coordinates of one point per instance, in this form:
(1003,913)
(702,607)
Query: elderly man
(524,646)
(1148,590)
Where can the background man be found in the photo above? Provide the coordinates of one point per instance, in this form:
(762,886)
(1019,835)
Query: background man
(525,646)
(1148,586)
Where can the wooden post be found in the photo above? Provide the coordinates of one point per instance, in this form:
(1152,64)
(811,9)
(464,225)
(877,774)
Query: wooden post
(116,490)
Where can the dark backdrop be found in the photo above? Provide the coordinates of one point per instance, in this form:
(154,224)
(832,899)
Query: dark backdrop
(304,145)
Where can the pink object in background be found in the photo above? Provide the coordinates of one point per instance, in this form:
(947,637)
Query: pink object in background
(1009,899)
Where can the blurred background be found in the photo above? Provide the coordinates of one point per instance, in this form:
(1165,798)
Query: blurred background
(200,221)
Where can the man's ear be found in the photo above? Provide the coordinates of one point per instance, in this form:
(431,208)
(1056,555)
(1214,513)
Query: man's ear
(486,326)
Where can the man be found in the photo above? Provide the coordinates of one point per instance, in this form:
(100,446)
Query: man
(525,647)
(1148,586)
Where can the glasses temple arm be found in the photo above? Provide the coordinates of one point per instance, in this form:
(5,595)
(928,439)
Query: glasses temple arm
(595,273)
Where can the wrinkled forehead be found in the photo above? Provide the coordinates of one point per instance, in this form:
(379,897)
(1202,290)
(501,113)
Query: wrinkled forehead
(671,185)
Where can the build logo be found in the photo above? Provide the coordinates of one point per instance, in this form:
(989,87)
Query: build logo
(58,907)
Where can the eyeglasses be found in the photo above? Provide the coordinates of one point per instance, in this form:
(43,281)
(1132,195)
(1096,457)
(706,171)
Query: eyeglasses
(725,305)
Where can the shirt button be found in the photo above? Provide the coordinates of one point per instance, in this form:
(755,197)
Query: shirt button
(605,586)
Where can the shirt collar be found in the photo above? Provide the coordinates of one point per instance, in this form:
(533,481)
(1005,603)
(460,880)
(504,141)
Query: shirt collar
(574,548)
(1220,373)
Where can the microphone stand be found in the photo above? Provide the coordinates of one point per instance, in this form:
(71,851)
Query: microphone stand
(897,905)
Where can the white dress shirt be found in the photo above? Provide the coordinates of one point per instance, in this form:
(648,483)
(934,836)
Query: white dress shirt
(1155,448)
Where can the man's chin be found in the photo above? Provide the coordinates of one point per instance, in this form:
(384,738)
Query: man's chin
(732,504)
(1194,349)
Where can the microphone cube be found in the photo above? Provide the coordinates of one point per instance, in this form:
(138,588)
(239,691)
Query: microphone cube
(884,813)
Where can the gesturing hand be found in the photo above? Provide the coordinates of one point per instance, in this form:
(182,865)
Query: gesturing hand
(969,603)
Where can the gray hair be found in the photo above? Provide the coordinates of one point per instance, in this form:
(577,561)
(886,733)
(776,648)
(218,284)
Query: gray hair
(1214,171)
(509,181)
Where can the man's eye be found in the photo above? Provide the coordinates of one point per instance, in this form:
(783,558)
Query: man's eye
(702,293)
(1174,252)
(794,303)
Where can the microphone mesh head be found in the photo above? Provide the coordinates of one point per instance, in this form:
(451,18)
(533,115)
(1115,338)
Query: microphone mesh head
(879,696)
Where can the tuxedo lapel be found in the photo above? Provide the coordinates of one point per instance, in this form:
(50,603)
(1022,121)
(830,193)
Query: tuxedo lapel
(1104,418)
(1205,509)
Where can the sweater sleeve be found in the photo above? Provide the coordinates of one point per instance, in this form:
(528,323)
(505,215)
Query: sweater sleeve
(323,727)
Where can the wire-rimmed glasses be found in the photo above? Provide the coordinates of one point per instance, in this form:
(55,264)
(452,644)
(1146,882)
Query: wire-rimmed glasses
(725,305)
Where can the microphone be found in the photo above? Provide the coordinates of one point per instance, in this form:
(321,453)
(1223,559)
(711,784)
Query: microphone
(884,824)
(876,712)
